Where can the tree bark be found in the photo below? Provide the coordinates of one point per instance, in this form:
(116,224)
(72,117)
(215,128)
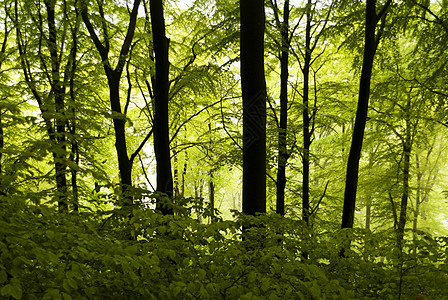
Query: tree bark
(370,45)
(368,214)
(58,92)
(113,78)
(212,197)
(161,120)
(306,120)
(282,133)
(2,140)
(254,106)
(119,120)
(2,145)
(407,148)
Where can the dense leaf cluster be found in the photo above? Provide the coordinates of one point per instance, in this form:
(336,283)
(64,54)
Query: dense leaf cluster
(47,255)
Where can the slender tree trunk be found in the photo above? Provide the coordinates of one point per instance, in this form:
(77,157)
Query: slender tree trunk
(212,197)
(70,71)
(2,140)
(368,214)
(113,78)
(161,120)
(119,120)
(306,120)
(2,145)
(282,133)
(175,174)
(417,201)
(407,148)
(74,157)
(184,174)
(370,45)
(254,106)
(197,196)
(58,91)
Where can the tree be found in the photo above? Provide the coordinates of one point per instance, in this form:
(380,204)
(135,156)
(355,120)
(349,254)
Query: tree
(253,87)
(161,128)
(113,75)
(371,41)
(282,125)
(52,103)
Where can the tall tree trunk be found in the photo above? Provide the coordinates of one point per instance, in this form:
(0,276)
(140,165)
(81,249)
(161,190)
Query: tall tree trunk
(58,92)
(175,173)
(417,200)
(282,132)
(70,70)
(212,197)
(113,78)
(2,145)
(306,120)
(407,148)
(2,140)
(254,105)
(184,174)
(370,45)
(119,121)
(161,120)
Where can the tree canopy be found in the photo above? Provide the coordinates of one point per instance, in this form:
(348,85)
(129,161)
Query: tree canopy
(214,149)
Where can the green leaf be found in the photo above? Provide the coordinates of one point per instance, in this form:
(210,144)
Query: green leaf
(252,276)
(3,276)
(66,296)
(201,274)
(14,289)
(132,250)
(52,294)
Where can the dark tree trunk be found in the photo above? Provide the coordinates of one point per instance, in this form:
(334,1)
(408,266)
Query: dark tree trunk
(282,133)
(119,120)
(2,140)
(58,92)
(306,120)
(57,151)
(184,174)
(407,148)
(254,106)
(175,173)
(370,46)
(212,197)
(417,199)
(74,151)
(2,145)
(161,121)
(74,157)
(113,78)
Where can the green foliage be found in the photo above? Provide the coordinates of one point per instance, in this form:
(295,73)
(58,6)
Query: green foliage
(46,255)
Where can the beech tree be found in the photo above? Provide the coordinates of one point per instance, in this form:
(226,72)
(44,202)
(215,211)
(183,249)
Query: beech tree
(253,87)
(175,72)
(372,38)
(59,68)
(161,128)
(113,75)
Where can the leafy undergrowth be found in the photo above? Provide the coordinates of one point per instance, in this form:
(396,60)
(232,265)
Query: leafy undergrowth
(46,255)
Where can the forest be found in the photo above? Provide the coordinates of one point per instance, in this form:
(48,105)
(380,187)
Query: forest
(213,149)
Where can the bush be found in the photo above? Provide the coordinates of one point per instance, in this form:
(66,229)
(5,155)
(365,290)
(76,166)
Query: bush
(46,255)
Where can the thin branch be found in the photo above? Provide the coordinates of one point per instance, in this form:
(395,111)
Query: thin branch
(320,200)
(144,172)
(192,116)
(128,39)
(225,129)
(142,144)
(103,51)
